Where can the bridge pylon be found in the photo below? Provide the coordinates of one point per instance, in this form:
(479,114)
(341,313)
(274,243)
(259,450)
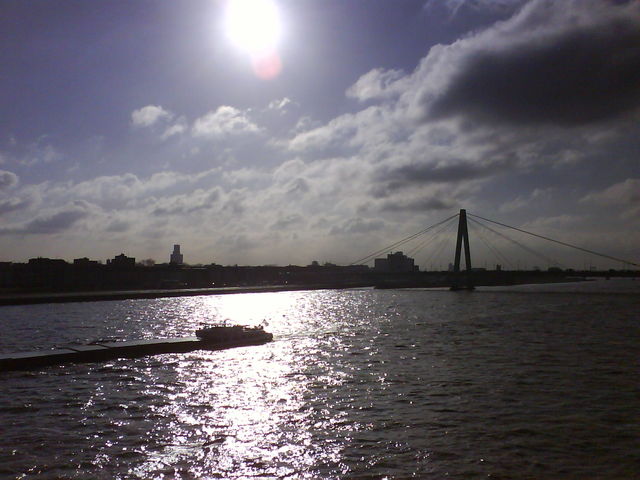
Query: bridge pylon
(462,281)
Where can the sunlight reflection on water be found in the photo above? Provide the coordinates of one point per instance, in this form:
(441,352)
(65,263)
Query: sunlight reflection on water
(249,412)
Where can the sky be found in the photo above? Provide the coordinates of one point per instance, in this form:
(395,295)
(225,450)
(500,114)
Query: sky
(130,126)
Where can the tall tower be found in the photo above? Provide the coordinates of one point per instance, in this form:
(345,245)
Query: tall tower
(176,256)
(463,238)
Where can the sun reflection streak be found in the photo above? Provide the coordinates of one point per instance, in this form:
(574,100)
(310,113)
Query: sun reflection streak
(268,410)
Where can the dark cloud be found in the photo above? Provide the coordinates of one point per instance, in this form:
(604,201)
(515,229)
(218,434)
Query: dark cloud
(567,73)
(396,178)
(13,204)
(118,226)
(54,223)
(7,179)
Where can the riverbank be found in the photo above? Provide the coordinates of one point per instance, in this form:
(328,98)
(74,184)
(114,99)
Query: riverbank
(421,280)
(70,297)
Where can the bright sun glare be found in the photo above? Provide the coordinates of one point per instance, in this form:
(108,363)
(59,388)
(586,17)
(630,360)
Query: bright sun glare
(253,26)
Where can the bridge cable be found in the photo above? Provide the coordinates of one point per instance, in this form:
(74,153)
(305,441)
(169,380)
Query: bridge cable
(431,237)
(443,243)
(499,255)
(401,242)
(549,260)
(621,260)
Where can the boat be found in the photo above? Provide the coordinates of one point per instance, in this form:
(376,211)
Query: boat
(233,334)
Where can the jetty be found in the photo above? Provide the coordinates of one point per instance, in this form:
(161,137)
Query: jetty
(100,352)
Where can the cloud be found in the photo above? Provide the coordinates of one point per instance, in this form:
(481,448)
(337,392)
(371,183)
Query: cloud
(555,62)
(625,195)
(436,172)
(297,186)
(377,84)
(188,203)
(372,128)
(119,192)
(118,226)
(422,204)
(287,222)
(224,121)
(7,179)
(53,222)
(281,105)
(537,196)
(40,152)
(149,115)
(457,7)
(13,204)
(358,225)
(177,128)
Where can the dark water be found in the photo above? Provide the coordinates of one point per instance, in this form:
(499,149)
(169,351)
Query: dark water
(534,382)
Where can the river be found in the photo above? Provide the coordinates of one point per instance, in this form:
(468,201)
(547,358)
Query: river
(524,382)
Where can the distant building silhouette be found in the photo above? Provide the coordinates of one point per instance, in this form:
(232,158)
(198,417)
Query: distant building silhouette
(176,256)
(46,262)
(395,262)
(122,261)
(85,262)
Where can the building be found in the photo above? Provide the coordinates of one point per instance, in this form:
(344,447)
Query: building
(122,261)
(85,262)
(176,256)
(395,263)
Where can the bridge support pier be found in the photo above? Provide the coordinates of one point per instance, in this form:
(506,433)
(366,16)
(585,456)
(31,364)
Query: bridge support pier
(462,281)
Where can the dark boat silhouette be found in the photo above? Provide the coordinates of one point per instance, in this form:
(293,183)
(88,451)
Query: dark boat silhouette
(233,334)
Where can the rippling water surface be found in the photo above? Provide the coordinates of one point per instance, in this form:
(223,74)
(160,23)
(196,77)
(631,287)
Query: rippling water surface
(528,382)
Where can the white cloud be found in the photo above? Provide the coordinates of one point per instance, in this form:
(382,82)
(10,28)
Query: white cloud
(377,84)
(40,152)
(149,115)
(281,104)
(177,128)
(372,128)
(624,195)
(223,122)
(187,203)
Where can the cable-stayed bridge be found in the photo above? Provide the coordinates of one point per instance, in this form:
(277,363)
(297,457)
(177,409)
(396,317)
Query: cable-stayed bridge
(511,249)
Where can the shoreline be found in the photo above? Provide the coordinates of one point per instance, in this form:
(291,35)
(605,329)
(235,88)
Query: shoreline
(103,296)
(17,299)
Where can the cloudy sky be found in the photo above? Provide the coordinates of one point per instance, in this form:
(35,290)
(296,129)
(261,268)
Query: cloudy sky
(128,126)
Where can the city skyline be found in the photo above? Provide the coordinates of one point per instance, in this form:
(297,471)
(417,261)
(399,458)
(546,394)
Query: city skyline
(142,125)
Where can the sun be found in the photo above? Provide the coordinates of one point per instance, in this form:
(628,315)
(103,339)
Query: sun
(254,26)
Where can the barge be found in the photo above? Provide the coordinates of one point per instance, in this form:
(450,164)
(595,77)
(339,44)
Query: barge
(211,338)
